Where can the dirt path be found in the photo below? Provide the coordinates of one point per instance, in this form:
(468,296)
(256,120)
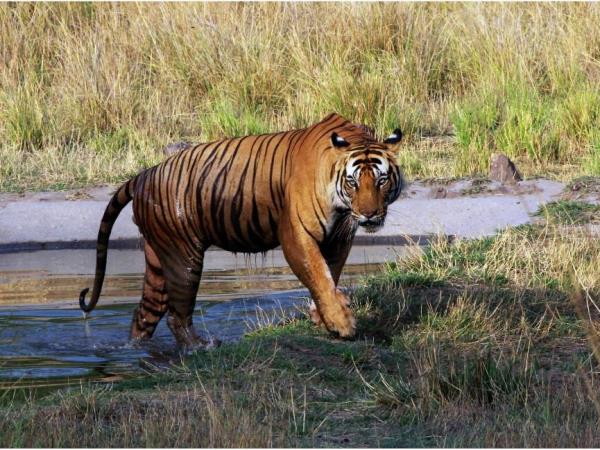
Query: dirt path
(469,208)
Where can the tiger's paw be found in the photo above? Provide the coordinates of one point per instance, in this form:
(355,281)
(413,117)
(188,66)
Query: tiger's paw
(187,337)
(347,328)
(342,321)
(314,315)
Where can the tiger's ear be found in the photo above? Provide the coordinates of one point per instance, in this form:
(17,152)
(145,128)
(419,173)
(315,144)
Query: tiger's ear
(393,140)
(395,137)
(338,141)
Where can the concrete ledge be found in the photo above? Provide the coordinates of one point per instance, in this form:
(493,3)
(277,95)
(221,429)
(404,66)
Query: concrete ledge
(70,220)
(138,243)
(69,245)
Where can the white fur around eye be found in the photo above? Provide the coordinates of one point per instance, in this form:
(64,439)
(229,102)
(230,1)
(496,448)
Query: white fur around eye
(352,170)
(382,167)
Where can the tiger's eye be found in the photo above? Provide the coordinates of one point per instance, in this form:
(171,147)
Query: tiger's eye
(352,182)
(382,181)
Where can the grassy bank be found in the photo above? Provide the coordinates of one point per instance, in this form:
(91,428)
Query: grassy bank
(482,343)
(90,93)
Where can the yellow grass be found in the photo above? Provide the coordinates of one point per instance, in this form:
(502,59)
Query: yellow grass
(90,93)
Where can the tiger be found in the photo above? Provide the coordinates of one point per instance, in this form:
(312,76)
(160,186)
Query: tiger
(306,190)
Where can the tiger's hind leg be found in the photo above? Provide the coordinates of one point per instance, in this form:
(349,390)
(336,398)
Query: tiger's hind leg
(153,305)
(182,284)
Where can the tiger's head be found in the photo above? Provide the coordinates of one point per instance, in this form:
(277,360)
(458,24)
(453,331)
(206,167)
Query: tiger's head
(368,176)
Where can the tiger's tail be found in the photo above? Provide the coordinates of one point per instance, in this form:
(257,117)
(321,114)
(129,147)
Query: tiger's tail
(118,201)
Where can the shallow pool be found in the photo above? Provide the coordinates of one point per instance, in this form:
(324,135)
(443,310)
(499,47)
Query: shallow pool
(44,338)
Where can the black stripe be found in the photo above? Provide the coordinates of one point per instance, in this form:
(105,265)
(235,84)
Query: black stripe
(157,314)
(305,228)
(255,230)
(238,202)
(271,177)
(184,222)
(319,220)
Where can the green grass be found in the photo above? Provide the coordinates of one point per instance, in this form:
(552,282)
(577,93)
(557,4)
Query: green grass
(91,93)
(570,212)
(484,343)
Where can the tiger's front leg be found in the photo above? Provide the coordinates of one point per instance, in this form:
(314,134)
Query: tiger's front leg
(335,253)
(304,256)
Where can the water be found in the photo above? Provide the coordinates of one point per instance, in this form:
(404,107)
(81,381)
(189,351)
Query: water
(45,341)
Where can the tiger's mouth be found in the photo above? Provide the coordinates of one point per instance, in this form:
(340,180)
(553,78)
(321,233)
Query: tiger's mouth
(372,224)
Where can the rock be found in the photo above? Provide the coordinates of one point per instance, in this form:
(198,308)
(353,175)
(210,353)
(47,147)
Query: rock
(439,192)
(171,149)
(503,169)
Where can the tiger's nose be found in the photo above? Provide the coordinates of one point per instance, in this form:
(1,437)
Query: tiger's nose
(369,213)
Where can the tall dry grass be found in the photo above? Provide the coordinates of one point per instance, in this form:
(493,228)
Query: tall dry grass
(90,92)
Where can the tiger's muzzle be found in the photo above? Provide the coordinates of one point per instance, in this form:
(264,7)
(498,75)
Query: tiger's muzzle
(371,224)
